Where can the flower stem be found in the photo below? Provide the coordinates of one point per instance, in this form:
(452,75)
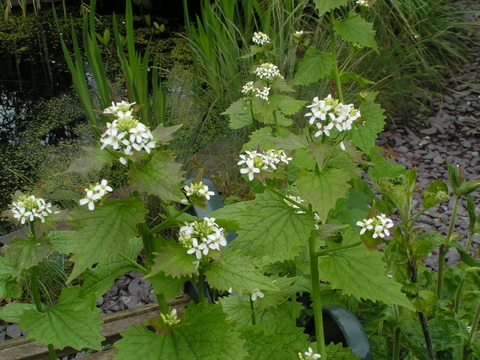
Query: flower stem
(443,248)
(36,294)
(317,301)
(396,334)
(333,52)
(339,248)
(252,309)
(201,284)
(139,267)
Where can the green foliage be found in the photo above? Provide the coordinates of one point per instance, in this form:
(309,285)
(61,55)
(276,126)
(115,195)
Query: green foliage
(206,336)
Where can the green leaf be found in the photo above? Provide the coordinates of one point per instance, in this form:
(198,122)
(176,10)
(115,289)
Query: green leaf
(338,352)
(261,138)
(320,152)
(324,6)
(163,134)
(104,231)
(239,114)
(322,190)
(207,336)
(166,285)
(72,322)
(290,106)
(362,275)
(238,310)
(225,275)
(161,176)
(364,135)
(11,312)
(93,158)
(26,253)
(278,339)
(383,168)
(435,193)
(464,256)
(426,242)
(100,279)
(278,232)
(453,278)
(313,67)
(347,76)
(174,261)
(356,30)
(62,241)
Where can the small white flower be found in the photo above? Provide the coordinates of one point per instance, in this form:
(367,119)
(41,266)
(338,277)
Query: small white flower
(91,198)
(256,293)
(260,38)
(251,170)
(268,72)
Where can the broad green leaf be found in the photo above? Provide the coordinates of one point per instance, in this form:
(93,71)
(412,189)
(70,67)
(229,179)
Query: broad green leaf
(320,152)
(69,323)
(225,275)
(62,241)
(347,76)
(453,278)
(161,176)
(383,168)
(313,67)
(163,134)
(364,135)
(278,339)
(362,275)
(11,312)
(356,30)
(270,227)
(351,209)
(228,215)
(238,310)
(289,142)
(261,138)
(238,121)
(269,111)
(341,160)
(338,352)
(10,288)
(6,268)
(26,253)
(174,261)
(426,242)
(290,106)
(166,285)
(93,158)
(104,231)
(239,114)
(100,279)
(324,6)
(435,193)
(322,190)
(207,336)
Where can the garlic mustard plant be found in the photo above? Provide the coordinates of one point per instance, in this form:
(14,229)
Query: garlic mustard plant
(256,162)
(260,38)
(94,193)
(377,226)
(199,237)
(30,208)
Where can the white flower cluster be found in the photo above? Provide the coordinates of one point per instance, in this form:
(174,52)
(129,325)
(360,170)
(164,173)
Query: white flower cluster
(198,192)
(199,237)
(124,133)
(171,319)
(29,208)
(268,72)
(309,355)
(260,38)
(328,113)
(363,3)
(95,193)
(266,161)
(249,89)
(379,225)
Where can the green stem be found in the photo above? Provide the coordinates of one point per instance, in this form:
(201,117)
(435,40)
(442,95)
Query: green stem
(139,267)
(469,241)
(396,334)
(254,125)
(252,309)
(443,248)
(333,51)
(294,308)
(474,324)
(339,248)
(36,294)
(201,284)
(317,301)
(277,129)
(147,239)
(459,296)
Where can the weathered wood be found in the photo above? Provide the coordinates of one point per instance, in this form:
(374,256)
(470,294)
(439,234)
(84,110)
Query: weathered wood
(22,349)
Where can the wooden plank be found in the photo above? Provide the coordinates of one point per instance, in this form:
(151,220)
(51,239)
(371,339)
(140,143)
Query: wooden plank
(22,349)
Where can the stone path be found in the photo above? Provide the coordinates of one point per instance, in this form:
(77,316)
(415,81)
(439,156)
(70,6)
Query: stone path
(451,133)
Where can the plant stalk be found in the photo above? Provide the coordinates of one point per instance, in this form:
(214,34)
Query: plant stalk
(333,52)
(339,248)
(317,301)
(396,334)
(443,249)
(139,267)
(201,284)
(426,335)
(252,309)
